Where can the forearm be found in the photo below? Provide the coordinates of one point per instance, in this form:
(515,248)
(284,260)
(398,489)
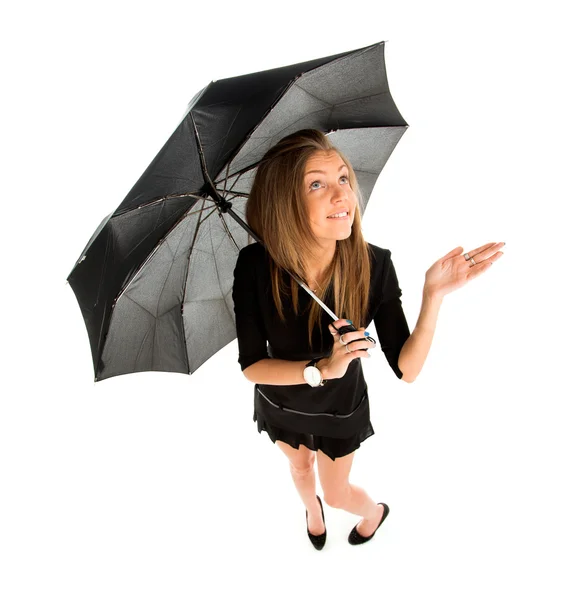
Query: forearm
(416,348)
(275,371)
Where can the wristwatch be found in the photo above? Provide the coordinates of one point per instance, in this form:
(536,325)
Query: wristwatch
(312,374)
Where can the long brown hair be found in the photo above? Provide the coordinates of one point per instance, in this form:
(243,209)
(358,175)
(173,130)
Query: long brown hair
(277,212)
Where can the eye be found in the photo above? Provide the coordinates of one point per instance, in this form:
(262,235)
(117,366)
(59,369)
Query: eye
(319,183)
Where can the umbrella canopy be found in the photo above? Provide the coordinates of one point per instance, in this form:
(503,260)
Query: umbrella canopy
(154,281)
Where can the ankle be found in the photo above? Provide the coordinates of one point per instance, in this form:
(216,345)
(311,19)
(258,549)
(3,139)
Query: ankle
(376,513)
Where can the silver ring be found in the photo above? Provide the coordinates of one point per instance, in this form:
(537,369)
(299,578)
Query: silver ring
(473,261)
(347,348)
(341,338)
(468,257)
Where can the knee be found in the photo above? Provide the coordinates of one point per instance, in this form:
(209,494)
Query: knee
(337,497)
(303,469)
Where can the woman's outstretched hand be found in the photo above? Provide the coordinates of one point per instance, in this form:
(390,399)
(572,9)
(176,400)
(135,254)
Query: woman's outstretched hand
(453,270)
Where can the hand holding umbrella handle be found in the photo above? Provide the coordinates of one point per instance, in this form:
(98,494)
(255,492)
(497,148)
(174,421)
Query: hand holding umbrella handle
(334,366)
(349,328)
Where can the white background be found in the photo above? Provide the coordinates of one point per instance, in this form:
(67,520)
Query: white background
(139,486)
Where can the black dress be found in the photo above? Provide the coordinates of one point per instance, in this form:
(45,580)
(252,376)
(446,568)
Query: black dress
(334,418)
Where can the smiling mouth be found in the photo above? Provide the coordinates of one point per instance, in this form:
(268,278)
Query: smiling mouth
(339,218)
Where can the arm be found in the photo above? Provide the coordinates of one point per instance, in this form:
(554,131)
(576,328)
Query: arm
(251,335)
(389,319)
(416,348)
(405,352)
(447,274)
(275,371)
(254,359)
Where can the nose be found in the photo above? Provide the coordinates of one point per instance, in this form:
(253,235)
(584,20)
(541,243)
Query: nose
(338,194)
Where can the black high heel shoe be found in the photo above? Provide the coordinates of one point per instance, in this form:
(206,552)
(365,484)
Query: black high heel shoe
(318,541)
(356,538)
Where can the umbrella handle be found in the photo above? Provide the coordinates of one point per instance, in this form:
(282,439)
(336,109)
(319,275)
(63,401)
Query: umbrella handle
(350,328)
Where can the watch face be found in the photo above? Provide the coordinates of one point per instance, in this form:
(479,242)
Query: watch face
(312,375)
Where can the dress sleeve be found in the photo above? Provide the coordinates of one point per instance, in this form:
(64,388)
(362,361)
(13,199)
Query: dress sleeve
(251,335)
(389,319)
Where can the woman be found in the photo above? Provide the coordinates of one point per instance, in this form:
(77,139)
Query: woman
(302,188)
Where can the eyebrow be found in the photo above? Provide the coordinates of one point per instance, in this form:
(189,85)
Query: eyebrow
(316,171)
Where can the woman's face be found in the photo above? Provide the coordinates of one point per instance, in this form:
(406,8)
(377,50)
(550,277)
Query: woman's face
(327,191)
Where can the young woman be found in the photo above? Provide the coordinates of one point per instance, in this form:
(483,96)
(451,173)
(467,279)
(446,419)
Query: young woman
(304,205)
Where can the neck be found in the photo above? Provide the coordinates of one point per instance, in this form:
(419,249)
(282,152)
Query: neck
(318,265)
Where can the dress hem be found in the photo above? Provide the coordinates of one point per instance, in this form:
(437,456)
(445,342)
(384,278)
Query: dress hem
(332,447)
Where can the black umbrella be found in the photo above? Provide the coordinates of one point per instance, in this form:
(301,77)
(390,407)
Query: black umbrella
(154,282)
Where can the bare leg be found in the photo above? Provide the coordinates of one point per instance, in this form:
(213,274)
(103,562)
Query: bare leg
(339,493)
(302,471)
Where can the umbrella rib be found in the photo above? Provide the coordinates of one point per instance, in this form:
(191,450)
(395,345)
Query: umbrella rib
(201,210)
(232,185)
(245,169)
(161,199)
(196,230)
(363,98)
(201,152)
(174,254)
(102,338)
(141,348)
(225,179)
(225,137)
(215,263)
(142,307)
(232,195)
(262,119)
(228,231)
(209,179)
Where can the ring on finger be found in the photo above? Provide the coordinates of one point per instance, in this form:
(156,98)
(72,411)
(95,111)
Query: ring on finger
(341,338)
(347,348)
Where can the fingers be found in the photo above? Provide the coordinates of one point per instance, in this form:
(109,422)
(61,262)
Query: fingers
(485,251)
(361,346)
(478,254)
(490,252)
(455,252)
(350,347)
(338,324)
(480,249)
(478,269)
(357,335)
